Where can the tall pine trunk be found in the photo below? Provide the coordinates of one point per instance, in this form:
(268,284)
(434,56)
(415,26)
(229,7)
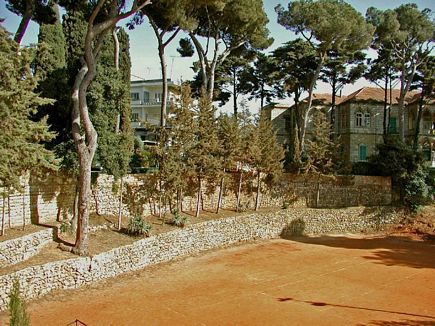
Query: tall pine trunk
(239,191)
(120,205)
(221,188)
(24,210)
(3,215)
(384,124)
(198,197)
(257,199)
(25,20)
(418,120)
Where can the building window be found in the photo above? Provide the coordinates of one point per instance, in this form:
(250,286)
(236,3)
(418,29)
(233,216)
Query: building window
(343,119)
(135,117)
(366,120)
(135,96)
(362,152)
(158,97)
(146,96)
(359,119)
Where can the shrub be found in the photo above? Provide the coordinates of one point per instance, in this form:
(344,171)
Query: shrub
(417,190)
(17,307)
(295,228)
(137,226)
(407,170)
(177,219)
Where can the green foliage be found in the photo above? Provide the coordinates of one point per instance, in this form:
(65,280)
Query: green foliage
(20,140)
(177,219)
(270,160)
(320,149)
(417,189)
(406,168)
(257,80)
(108,98)
(330,24)
(137,226)
(17,307)
(295,228)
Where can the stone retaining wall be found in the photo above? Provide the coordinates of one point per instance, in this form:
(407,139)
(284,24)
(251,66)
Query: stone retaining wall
(52,198)
(36,281)
(17,250)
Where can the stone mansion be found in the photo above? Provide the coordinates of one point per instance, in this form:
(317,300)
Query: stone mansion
(358,121)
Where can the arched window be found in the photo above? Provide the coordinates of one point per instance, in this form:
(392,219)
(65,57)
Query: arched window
(362,152)
(359,119)
(366,122)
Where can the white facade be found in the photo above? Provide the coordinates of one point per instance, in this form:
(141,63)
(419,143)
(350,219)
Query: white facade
(146,100)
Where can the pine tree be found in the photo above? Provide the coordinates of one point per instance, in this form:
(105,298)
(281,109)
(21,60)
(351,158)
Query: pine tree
(182,138)
(245,154)
(20,140)
(17,307)
(321,150)
(204,158)
(229,135)
(269,159)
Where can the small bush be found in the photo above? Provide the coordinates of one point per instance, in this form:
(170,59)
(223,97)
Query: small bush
(137,226)
(177,219)
(295,228)
(17,307)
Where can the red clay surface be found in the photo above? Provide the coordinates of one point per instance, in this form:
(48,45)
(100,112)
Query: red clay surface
(310,281)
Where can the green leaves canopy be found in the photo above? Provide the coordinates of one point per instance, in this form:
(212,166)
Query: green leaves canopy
(20,140)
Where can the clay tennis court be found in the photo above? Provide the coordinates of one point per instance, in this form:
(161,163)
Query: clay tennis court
(310,281)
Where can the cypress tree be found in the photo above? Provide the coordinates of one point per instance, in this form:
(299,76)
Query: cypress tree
(268,159)
(204,158)
(20,140)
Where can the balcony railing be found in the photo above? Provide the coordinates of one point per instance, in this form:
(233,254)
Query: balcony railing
(149,103)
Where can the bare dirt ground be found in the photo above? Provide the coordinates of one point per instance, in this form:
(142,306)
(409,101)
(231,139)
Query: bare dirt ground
(329,280)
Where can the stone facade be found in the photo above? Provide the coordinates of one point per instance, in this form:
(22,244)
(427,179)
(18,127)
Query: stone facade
(36,281)
(358,121)
(17,250)
(52,199)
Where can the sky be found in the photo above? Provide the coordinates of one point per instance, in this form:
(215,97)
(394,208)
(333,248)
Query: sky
(143,44)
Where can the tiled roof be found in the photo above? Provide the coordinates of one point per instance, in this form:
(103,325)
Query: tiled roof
(324,98)
(416,97)
(376,94)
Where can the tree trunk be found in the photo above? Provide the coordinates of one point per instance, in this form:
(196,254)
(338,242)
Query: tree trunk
(24,211)
(9,209)
(116,61)
(25,20)
(384,125)
(75,209)
(418,120)
(198,197)
(3,215)
(221,188)
(81,246)
(239,191)
(120,205)
(318,193)
(405,84)
(257,199)
(235,93)
(83,132)
(310,101)
(334,94)
(165,86)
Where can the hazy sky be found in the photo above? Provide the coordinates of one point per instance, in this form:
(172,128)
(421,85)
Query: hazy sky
(143,45)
